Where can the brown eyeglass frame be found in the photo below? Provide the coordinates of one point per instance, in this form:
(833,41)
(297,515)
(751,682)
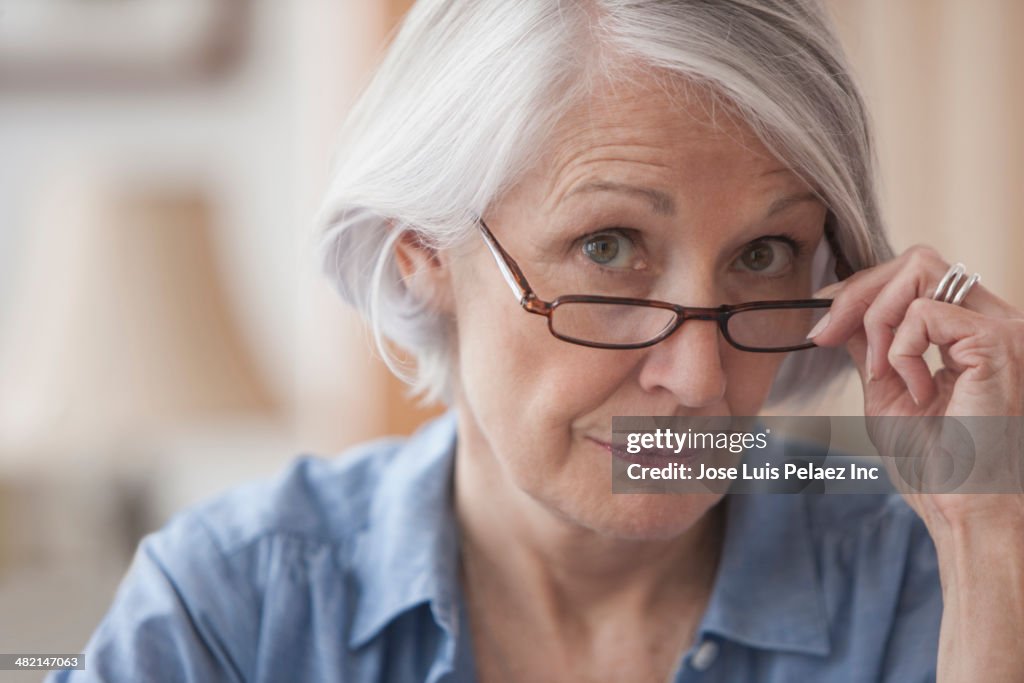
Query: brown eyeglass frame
(531,303)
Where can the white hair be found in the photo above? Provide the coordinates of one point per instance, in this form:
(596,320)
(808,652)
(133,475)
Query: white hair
(470,91)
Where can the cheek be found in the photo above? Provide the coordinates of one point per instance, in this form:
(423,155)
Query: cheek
(526,389)
(508,357)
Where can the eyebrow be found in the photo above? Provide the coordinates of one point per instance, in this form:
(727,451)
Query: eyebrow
(784,203)
(661,202)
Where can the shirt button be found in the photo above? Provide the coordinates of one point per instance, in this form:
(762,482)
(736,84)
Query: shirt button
(705,655)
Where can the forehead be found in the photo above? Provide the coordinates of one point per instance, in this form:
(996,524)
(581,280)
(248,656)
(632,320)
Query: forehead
(672,134)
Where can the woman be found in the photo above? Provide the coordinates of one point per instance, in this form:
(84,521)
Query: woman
(702,154)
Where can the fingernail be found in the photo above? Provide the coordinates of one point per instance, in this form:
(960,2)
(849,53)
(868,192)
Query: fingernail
(911,392)
(820,327)
(867,365)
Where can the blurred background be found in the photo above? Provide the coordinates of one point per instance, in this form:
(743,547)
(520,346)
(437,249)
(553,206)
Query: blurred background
(164,330)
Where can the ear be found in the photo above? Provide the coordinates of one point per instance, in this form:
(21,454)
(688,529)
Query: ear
(424,272)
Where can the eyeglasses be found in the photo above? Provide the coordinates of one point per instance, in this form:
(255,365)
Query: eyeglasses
(611,322)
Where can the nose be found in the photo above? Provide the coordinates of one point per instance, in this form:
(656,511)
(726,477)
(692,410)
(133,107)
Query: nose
(688,364)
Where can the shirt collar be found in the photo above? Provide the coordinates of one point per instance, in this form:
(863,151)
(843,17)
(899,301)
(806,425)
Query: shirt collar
(767,593)
(407,553)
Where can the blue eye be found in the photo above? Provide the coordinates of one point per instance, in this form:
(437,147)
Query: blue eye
(608,249)
(767,257)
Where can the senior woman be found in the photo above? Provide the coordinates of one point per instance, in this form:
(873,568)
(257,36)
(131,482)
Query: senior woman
(511,159)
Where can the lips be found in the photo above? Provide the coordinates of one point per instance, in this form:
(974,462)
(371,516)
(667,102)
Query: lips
(650,456)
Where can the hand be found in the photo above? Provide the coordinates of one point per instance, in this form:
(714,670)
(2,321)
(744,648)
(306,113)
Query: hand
(886,318)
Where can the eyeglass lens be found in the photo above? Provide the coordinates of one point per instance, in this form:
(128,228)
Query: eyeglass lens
(623,324)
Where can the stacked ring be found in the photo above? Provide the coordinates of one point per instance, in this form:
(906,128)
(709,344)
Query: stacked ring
(947,290)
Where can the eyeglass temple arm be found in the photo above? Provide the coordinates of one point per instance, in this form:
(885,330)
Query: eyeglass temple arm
(507,265)
(843,267)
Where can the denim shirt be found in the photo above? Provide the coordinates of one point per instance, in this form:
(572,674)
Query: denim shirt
(347,570)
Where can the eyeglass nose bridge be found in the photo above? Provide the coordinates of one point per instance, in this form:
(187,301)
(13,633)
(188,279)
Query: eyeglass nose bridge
(719,316)
(712,314)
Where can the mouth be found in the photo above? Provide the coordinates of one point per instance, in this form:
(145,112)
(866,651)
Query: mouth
(653,457)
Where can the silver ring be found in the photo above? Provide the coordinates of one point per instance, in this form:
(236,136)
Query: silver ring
(950,289)
(959,298)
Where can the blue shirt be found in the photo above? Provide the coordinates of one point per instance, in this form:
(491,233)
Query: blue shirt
(346,570)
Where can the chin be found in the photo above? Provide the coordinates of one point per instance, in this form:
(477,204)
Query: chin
(643,516)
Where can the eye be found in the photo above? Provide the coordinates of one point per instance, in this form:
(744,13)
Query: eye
(609,248)
(767,256)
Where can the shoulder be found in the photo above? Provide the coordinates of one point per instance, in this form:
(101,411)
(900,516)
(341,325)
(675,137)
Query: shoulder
(317,509)
(880,576)
(316,499)
(324,499)
(258,566)
(855,532)
(882,528)
(854,577)
(236,540)
(304,522)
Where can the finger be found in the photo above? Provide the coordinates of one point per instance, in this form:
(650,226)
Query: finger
(856,346)
(874,278)
(888,391)
(889,307)
(930,322)
(902,280)
(911,368)
(853,296)
(829,291)
(851,299)
(949,362)
(980,298)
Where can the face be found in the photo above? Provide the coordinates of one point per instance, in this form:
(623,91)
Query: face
(646,195)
